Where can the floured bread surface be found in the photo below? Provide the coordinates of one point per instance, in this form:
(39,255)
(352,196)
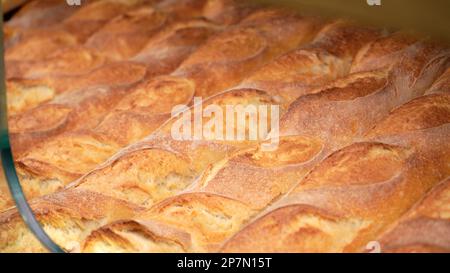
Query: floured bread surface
(350,149)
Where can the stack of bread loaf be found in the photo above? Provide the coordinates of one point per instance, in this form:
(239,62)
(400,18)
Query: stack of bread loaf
(363,157)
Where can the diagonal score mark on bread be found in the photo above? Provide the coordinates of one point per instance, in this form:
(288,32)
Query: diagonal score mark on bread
(68,216)
(121,72)
(370,184)
(137,117)
(240,96)
(252,199)
(220,199)
(424,228)
(43,73)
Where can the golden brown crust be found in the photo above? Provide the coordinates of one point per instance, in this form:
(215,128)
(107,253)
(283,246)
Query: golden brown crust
(82,109)
(442,85)
(95,15)
(359,144)
(227,58)
(425,227)
(169,155)
(203,221)
(66,216)
(42,13)
(39,46)
(303,70)
(418,114)
(365,187)
(382,52)
(126,34)
(150,91)
(350,186)
(66,61)
(4,191)
(230,176)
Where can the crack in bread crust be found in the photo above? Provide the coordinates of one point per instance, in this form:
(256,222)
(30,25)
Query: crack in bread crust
(363,141)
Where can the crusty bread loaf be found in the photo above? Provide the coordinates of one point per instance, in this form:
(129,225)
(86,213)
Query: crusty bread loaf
(72,210)
(363,133)
(442,84)
(84,108)
(116,37)
(119,39)
(205,152)
(424,228)
(37,44)
(28,94)
(301,71)
(43,13)
(40,161)
(116,79)
(275,172)
(149,103)
(4,190)
(177,38)
(351,196)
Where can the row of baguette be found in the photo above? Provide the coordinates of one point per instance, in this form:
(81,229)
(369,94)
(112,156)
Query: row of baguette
(363,138)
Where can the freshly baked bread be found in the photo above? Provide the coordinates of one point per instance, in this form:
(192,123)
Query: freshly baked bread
(43,13)
(424,228)
(116,79)
(226,179)
(207,151)
(362,138)
(4,190)
(147,105)
(37,44)
(72,210)
(301,71)
(350,197)
(442,84)
(276,172)
(116,37)
(28,94)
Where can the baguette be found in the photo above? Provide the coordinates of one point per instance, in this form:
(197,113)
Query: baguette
(424,228)
(350,197)
(123,78)
(162,139)
(43,13)
(275,172)
(4,190)
(40,43)
(27,94)
(301,71)
(183,36)
(33,162)
(442,84)
(131,191)
(119,38)
(363,137)
(70,209)
(218,185)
